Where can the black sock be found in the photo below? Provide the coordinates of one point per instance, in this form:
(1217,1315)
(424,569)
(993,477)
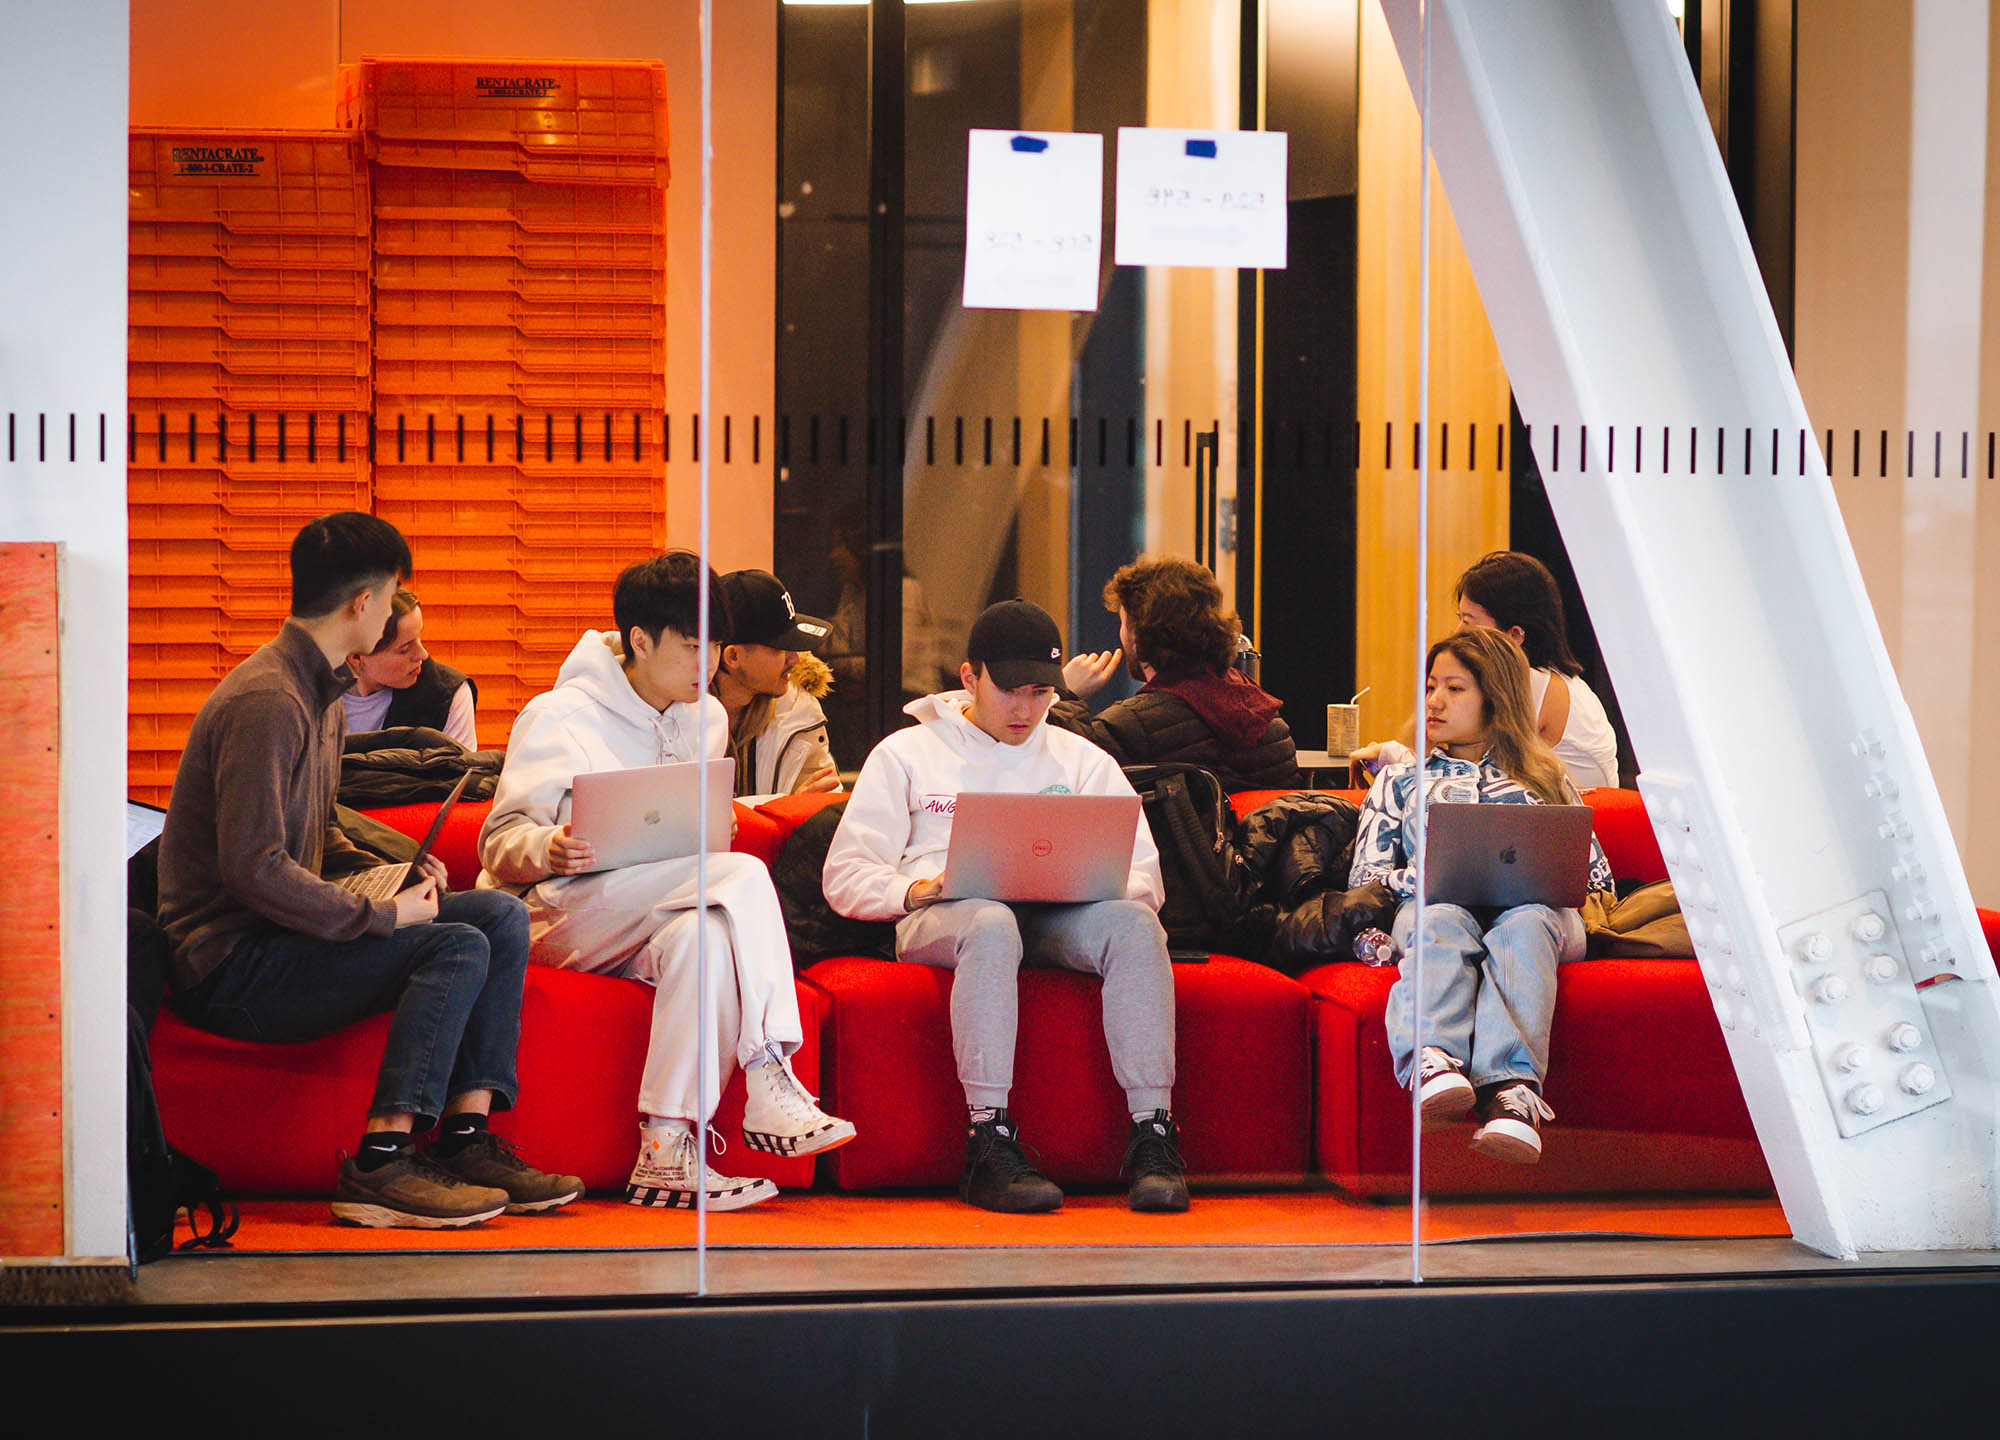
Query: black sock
(455,1132)
(379,1147)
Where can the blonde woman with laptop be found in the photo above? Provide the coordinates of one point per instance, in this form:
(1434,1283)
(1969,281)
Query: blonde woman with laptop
(1489,978)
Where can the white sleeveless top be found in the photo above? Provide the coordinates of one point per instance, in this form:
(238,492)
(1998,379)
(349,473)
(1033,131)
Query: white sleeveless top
(1588,748)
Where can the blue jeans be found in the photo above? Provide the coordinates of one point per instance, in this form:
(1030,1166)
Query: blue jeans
(1489,988)
(453,988)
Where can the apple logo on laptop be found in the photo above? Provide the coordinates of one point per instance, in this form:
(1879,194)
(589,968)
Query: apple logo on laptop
(651,817)
(1042,849)
(1507,856)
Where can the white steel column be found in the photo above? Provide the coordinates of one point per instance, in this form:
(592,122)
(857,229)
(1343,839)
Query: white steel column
(1780,762)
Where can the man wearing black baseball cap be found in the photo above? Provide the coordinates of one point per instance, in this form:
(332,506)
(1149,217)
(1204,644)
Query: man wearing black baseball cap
(885,863)
(770,681)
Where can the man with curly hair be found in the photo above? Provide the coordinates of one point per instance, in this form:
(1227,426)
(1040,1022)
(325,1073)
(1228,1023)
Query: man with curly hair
(770,681)
(1193,707)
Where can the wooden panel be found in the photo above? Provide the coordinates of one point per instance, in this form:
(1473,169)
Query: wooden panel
(31,1122)
(1469,508)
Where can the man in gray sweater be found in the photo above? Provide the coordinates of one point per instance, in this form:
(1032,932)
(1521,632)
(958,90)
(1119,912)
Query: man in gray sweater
(267,948)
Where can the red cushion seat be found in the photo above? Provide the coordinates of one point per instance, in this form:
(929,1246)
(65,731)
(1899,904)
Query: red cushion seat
(1241,1096)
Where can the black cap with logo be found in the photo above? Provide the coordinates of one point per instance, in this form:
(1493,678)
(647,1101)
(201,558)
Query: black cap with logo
(1017,644)
(761,613)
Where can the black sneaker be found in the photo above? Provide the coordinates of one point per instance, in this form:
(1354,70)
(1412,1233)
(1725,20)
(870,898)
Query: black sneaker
(486,1159)
(1153,1160)
(997,1176)
(413,1192)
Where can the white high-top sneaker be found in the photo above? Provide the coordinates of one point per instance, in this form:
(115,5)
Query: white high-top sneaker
(781,1118)
(669,1174)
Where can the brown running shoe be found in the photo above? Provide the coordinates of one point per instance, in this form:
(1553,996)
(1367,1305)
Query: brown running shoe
(487,1159)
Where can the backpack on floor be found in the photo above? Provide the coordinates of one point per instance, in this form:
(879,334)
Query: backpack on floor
(163,1182)
(1194,827)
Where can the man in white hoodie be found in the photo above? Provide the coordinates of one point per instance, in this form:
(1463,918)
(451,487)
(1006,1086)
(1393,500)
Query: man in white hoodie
(643,702)
(886,862)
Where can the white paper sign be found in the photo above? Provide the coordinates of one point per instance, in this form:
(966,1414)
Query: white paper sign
(1034,212)
(1201,197)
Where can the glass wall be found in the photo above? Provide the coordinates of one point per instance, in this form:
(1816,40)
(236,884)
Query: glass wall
(1339,441)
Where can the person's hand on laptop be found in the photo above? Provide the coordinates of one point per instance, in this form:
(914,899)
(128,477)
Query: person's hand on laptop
(923,892)
(417,905)
(434,868)
(569,855)
(1085,675)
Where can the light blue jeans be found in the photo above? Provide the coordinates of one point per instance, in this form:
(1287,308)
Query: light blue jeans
(1489,989)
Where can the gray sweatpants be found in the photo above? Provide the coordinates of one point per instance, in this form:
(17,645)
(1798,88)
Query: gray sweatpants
(986,941)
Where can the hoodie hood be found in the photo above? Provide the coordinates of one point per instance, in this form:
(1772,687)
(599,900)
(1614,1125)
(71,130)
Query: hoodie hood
(1236,710)
(596,666)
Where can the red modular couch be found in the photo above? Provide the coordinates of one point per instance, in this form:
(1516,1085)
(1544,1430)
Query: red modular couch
(1640,1081)
(1277,1077)
(269,1118)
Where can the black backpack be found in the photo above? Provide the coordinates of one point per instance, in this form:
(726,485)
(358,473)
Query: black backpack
(814,928)
(163,1181)
(1194,827)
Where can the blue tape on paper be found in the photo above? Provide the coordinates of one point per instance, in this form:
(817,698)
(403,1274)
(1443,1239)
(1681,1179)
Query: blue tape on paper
(1028,144)
(1201,149)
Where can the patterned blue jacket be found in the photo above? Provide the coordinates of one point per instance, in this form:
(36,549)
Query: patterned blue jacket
(1388,834)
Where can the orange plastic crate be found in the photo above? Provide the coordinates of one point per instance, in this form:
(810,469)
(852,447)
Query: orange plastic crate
(613,106)
(518,275)
(173,660)
(202,433)
(297,251)
(527,204)
(529,318)
(414,386)
(563,247)
(246,571)
(256,181)
(621,485)
(302,319)
(282,355)
(208,275)
(177,380)
(293,492)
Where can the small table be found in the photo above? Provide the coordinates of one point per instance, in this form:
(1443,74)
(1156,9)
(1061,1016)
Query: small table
(1338,770)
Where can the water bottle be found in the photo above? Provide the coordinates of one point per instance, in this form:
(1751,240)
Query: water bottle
(1375,947)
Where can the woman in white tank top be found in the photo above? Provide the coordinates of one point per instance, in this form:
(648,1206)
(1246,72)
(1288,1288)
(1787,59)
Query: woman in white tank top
(1515,594)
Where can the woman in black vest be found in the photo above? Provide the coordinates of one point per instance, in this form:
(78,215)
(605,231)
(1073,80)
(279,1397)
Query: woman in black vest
(398,683)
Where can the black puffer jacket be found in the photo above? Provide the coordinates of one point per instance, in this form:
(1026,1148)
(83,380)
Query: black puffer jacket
(1293,857)
(814,927)
(410,765)
(1158,726)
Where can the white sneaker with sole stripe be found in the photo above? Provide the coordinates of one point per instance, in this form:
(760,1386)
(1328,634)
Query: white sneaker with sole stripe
(781,1118)
(670,1173)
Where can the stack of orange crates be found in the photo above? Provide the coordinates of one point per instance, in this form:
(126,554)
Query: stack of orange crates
(520,345)
(249,367)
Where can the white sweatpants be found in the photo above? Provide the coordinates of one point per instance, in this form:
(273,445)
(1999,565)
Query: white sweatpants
(641,922)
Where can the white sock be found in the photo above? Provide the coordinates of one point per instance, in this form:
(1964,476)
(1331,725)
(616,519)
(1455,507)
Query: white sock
(665,1124)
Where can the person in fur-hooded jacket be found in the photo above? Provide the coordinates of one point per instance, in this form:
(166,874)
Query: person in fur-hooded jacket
(623,701)
(770,681)
(1194,708)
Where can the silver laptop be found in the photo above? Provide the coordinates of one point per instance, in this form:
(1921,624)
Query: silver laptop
(652,812)
(1056,849)
(1497,856)
(386,882)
